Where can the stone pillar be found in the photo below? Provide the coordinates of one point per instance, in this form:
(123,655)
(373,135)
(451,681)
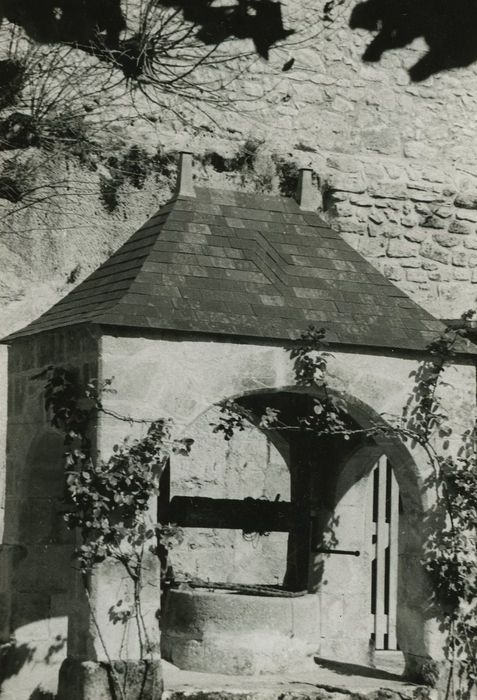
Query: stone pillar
(104,649)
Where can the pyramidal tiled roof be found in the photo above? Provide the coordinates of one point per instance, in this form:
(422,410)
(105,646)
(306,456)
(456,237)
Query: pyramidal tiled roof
(242,264)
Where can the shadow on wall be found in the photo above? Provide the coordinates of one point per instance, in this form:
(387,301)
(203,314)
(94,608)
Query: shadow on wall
(12,659)
(447,27)
(19,662)
(85,21)
(259,20)
(66,21)
(348,669)
(39,694)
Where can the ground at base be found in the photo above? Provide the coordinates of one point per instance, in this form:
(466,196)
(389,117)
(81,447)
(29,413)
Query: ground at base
(319,680)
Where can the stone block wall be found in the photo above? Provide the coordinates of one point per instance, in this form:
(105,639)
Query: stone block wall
(36,551)
(417,228)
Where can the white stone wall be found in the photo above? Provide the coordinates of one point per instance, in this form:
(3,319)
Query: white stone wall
(248,465)
(183,378)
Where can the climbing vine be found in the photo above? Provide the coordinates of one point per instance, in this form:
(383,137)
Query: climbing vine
(450,552)
(310,357)
(109,500)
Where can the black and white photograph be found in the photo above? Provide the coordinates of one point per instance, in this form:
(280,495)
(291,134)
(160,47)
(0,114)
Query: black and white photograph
(238,349)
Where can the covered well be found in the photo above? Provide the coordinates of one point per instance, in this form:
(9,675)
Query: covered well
(202,305)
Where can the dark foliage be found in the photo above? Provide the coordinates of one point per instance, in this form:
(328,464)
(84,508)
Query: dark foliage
(133,55)
(109,186)
(67,127)
(69,133)
(137,165)
(305,147)
(16,180)
(133,167)
(60,131)
(244,159)
(288,173)
(19,130)
(447,27)
(12,75)
(72,277)
(10,189)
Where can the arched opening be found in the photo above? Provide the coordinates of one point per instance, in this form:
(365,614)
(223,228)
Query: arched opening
(308,541)
(37,552)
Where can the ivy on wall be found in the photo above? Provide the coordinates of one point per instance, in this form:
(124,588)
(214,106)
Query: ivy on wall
(109,501)
(450,551)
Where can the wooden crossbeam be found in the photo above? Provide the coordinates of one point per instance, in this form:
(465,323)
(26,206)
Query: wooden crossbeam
(249,514)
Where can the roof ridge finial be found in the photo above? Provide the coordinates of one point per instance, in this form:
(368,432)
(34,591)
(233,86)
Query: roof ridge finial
(305,192)
(184,184)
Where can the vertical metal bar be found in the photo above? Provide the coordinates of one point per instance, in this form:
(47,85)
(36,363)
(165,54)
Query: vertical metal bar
(371,541)
(393,562)
(380,626)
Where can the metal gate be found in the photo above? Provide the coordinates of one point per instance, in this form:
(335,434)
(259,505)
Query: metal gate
(384,506)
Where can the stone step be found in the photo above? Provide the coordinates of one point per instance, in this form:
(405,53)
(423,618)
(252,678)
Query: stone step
(281,693)
(310,683)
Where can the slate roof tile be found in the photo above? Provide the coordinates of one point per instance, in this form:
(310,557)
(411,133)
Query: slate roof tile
(242,264)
